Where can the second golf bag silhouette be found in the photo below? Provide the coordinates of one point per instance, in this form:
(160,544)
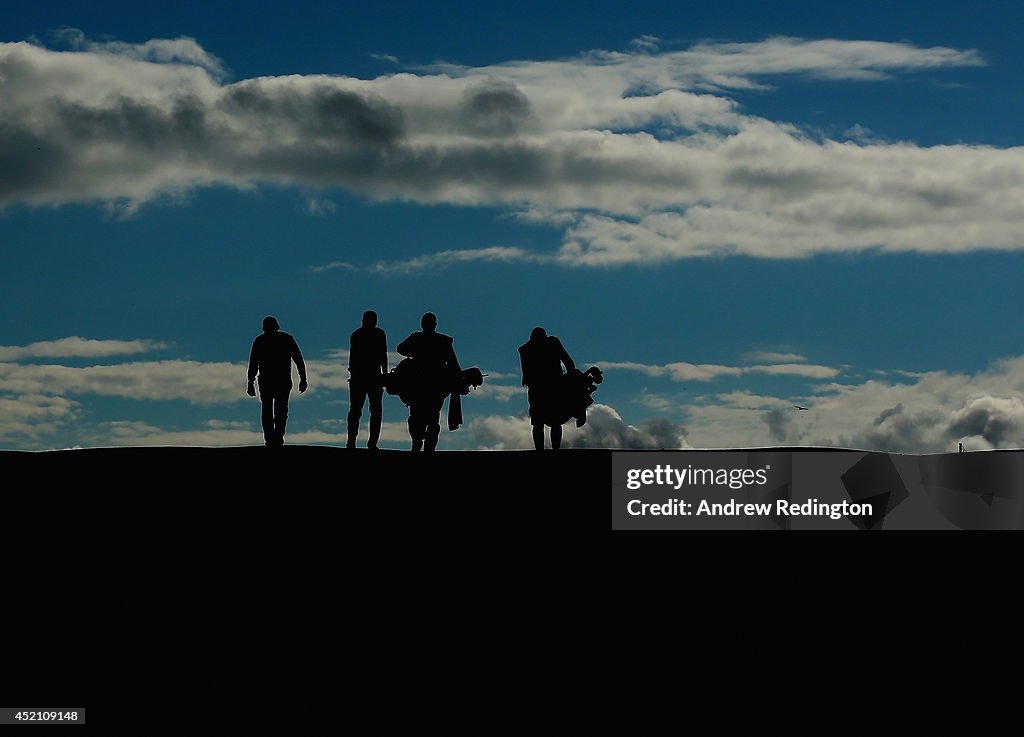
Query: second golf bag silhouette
(555,396)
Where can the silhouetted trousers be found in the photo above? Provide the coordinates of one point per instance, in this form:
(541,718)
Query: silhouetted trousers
(358,393)
(542,397)
(274,397)
(425,422)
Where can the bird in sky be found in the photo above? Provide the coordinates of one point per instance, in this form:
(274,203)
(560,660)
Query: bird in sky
(802,409)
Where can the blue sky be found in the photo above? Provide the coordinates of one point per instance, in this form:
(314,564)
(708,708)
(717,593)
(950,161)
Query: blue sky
(729,207)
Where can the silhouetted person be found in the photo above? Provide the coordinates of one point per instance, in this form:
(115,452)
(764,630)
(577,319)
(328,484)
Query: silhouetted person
(437,373)
(271,358)
(542,357)
(367,365)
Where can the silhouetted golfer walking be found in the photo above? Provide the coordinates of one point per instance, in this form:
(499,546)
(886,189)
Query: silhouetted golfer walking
(436,373)
(542,357)
(271,358)
(367,367)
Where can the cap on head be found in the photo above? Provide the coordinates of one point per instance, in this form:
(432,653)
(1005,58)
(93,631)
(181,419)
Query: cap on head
(270,323)
(428,321)
(370,319)
(538,333)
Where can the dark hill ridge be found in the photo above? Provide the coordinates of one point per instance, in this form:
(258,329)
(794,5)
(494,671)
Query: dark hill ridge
(316,488)
(313,469)
(310,493)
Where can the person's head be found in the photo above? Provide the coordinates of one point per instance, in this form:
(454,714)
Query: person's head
(538,333)
(369,319)
(270,324)
(428,322)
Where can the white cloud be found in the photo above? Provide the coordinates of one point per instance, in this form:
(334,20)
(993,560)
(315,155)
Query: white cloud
(32,416)
(748,400)
(229,433)
(639,154)
(605,428)
(771,194)
(922,413)
(858,132)
(493,376)
(931,412)
(394,434)
(773,357)
(645,43)
(809,371)
(440,260)
(319,206)
(996,419)
(182,50)
(327,374)
(340,356)
(163,51)
(75,347)
(227,425)
(498,392)
(201,383)
(193,381)
(332,265)
(661,403)
(733,64)
(140,434)
(679,371)
(682,371)
(36,400)
(501,432)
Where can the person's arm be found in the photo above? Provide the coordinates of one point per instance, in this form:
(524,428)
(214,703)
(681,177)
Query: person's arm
(383,353)
(563,354)
(301,365)
(522,363)
(452,358)
(250,388)
(408,346)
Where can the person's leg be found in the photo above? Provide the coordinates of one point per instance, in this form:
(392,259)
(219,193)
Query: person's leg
(533,397)
(417,428)
(267,416)
(376,416)
(356,399)
(556,437)
(538,437)
(433,424)
(280,415)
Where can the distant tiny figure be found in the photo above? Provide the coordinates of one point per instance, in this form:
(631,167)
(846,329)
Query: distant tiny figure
(271,359)
(542,358)
(802,409)
(961,450)
(368,367)
(435,371)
